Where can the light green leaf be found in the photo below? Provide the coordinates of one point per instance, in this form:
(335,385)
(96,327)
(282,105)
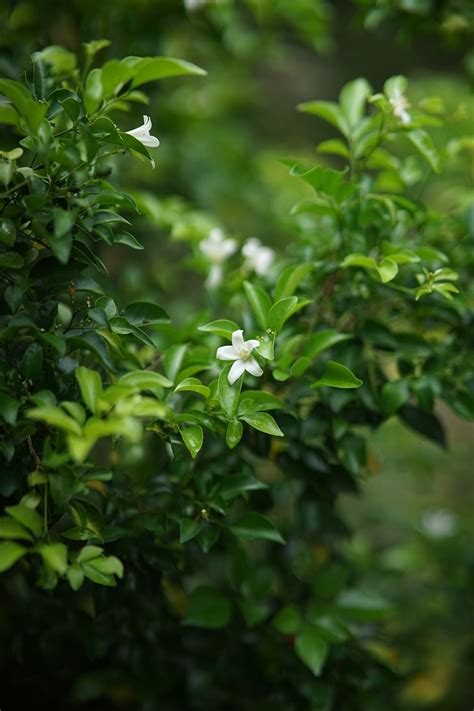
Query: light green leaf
(192,385)
(322,340)
(146,380)
(229,395)
(425,146)
(387,269)
(221,327)
(55,417)
(352,100)
(234,433)
(10,552)
(10,528)
(54,555)
(90,385)
(29,518)
(193,438)
(259,301)
(281,312)
(290,279)
(328,111)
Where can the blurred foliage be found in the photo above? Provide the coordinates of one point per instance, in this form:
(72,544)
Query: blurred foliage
(376,237)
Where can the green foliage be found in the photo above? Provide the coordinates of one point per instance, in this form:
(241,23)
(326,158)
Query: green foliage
(133,460)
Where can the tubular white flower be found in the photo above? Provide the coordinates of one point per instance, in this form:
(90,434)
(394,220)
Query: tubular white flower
(400,104)
(217,249)
(241,353)
(258,256)
(142,134)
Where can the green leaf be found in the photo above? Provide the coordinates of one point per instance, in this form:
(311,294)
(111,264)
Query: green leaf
(229,395)
(8,408)
(32,361)
(10,552)
(394,395)
(359,260)
(425,146)
(146,380)
(208,608)
(10,528)
(75,577)
(144,313)
(288,620)
(55,417)
(322,340)
(281,312)
(192,385)
(89,553)
(11,260)
(7,231)
(193,438)
(395,85)
(93,90)
(234,433)
(97,577)
(63,222)
(263,422)
(363,605)
(110,565)
(352,100)
(54,555)
(173,360)
(387,269)
(337,375)
(153,68)
(235,485)
(253,526)
(312,649)
(29,518)
(328,111)
(31,111)
(259,301)
(188,528)
(290,279)
(90,385)
(258,401)
(221,327)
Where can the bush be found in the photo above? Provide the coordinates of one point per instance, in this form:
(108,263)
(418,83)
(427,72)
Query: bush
(196,478)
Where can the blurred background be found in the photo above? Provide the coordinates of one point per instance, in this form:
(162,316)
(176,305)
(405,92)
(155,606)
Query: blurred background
(222,140)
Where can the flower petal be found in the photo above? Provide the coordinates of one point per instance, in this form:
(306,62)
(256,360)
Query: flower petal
(149,141)
(236,371)
(238,339)
(252,367)
(251,344)
(227,353)
(215,277)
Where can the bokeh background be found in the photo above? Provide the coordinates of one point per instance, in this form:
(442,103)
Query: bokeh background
(222,139)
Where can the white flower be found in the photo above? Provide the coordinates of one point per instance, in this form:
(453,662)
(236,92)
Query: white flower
(217,249)
(241,352)
(191,5)
(142,134)
(259,257)
(399,104)
(439,523)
